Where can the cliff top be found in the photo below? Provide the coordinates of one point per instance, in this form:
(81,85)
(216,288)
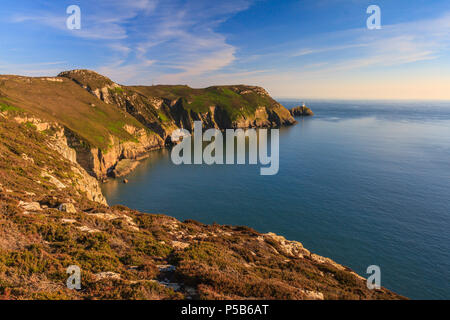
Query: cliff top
(63,101)
(87,78)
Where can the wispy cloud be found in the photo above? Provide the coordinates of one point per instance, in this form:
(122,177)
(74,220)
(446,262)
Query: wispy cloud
(308,51)
(102,21)
(171,41)
(180,41)
(392,46)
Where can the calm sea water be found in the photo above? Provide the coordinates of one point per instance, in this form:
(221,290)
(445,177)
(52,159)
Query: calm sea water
(363,183)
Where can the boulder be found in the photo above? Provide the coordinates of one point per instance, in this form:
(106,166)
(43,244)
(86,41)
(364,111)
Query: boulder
(30,206)
(107,275)
(67,207)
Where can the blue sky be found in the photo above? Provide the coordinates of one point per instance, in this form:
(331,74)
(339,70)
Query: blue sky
(298,49)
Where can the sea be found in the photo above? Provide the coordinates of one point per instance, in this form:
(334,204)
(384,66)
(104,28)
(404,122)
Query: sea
(361,182)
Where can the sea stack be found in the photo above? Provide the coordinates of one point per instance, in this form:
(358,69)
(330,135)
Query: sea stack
(301,111)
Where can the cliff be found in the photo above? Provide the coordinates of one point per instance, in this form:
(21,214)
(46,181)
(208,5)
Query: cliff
(52,215)
(166,108)
(111,126)
(100,135)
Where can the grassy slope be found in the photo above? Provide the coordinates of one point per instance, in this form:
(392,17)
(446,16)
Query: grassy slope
(199,100)
(68,104)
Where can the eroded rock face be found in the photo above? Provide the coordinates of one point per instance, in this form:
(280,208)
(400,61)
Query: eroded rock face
(163,114)
(164,109)
(58,139)
(159,110)
(103,163)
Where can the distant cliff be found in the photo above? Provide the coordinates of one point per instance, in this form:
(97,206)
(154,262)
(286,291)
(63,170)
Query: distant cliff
(301,111)
(165,108)
(108,124)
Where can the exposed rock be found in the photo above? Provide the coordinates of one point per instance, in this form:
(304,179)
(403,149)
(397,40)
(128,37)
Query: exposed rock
(313,295)
(292,248)
(107,275)
(39,124)
(26,158)
(166,268)
(30,206)
(67,207)
(68,221)
(52,79)
(53,180)
(104,216)
(301,111)
(100,163)
(124,167)
(180,245)
(88,229)
(88,184)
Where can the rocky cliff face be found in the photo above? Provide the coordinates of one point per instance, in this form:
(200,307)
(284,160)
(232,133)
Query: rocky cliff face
(99,135)
(102,163)
(166,108)
(109,126)
(56,139)
(97,162)
(159,110)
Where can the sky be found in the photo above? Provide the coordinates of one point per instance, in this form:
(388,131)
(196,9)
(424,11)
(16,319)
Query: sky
(308,49)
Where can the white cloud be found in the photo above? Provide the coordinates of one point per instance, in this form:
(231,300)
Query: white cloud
(171,41)
(180,41)
(102,20)
(308,51)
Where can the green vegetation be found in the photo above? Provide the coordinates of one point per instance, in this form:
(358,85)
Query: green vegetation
(163,117)
(70,105)
(237,101)
(7,107)
(117,90)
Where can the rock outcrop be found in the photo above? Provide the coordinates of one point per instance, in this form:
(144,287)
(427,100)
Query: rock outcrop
(57,139)
(301,111)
